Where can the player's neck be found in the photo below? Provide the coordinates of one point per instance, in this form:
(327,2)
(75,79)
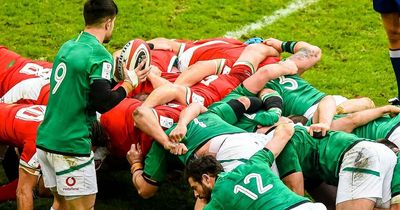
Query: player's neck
(99,33)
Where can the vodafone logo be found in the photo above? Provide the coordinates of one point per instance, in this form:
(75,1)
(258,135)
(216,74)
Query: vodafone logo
(70,181)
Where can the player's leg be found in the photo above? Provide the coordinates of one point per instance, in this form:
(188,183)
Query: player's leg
(82,203)
(391,24)
(256,82)
(76,180)
(365,176)
(354,105)
(199,70)
(27,181)
(49,179)
(165,94)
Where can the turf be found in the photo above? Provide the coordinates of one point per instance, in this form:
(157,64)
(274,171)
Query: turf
(355,56)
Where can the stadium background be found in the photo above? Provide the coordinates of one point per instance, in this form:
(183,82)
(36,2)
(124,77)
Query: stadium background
(354,45)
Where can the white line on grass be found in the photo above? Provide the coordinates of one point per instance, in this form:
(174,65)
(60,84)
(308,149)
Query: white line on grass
(268,20)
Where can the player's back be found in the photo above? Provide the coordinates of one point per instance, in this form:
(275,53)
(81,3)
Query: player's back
(19,123)
(298,95)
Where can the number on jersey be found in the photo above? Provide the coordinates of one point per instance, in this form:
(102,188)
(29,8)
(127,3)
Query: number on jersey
(33,113)
(35,69)
(292,84)
(59,76)
(260,188)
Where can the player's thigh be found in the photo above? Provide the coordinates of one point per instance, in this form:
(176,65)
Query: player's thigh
(83,202)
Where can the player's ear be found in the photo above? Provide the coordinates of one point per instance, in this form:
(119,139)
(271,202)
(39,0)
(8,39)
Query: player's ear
(108,24)
(205,178)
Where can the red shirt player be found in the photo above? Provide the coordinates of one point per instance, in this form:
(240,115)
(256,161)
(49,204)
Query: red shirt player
(18,129)
(23,80)
(120,126)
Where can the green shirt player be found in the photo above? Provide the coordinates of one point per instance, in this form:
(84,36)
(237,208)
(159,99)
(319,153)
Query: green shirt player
(204,134)
(361,169)
(80,85)
(251,185)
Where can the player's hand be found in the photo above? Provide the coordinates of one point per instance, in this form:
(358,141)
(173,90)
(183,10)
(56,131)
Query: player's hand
(142,73)
(178,149)
(318,130)
(392,110)
(178,133)
(275,43)
(134,155)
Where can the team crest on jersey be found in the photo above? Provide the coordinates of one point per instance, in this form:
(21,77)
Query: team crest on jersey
(166,122)
(106,72)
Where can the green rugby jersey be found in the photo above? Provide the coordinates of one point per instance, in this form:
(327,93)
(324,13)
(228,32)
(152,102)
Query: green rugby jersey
(253,186)
(315,157)
(396,178)
(298,95)
(199,131)
(66,125)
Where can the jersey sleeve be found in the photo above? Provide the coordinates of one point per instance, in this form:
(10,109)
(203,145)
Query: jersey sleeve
(263,156)
(225,112)
(213,205)
(288,161)
(100,66)
(155,164)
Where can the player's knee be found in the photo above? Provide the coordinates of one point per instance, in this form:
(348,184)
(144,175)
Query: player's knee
(245,101)
(138,114)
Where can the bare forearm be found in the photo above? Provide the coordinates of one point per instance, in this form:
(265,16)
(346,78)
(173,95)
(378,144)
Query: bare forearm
(162,95)
(197,72)
(157,81)
(190,112)
(147,122)
(144,189)
(282,135)
(326,110)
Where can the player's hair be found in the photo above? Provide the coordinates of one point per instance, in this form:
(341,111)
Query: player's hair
(95,11)
(298,119)
(204,165)
(98,135)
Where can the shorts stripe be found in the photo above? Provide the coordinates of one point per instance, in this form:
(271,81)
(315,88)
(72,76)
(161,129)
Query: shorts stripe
(74,168)
(362,170)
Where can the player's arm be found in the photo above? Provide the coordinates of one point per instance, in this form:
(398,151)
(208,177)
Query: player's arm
(165,44)
(282,135)
(146,121)
(199,70)
(290,170)
(185,117)
(323,116)
(357,119)
(304,55)
(135,159)
(102,95)
(155,77)
(165,94)
(295,182)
